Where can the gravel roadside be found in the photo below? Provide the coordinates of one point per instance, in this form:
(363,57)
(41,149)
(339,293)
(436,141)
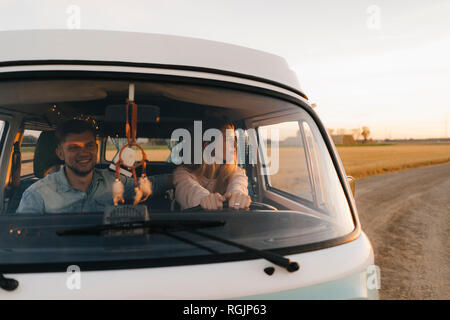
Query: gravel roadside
(406,216)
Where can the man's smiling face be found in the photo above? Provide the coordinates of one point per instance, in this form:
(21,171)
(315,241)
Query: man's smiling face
(79,151)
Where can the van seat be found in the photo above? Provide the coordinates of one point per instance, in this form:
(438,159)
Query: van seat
(45,158)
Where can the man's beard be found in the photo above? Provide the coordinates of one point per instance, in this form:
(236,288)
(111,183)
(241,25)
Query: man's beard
(79,172)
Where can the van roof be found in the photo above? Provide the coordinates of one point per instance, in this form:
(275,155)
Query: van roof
(25,46)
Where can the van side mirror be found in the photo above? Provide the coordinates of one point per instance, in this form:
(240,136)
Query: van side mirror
(351,182)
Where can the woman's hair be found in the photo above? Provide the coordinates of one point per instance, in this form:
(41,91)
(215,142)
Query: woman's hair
(222,172)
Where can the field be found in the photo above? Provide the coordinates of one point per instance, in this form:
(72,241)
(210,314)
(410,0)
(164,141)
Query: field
(359,162)
(370,160)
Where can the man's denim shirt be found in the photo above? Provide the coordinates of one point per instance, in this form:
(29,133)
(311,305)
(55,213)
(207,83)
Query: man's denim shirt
(54,194)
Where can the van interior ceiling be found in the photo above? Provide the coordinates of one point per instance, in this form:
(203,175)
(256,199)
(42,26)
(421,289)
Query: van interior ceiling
(47,102)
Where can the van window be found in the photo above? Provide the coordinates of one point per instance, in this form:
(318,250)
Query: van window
(292,176)
(325,181)
(299,167)
(27,150)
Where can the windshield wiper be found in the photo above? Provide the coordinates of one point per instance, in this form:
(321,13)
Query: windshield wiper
(168,226)
(154,226)
(275,258)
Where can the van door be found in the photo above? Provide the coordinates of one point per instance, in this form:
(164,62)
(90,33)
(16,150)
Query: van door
(9,126)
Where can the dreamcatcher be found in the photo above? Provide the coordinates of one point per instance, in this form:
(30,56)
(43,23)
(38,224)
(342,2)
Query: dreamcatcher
(143,188)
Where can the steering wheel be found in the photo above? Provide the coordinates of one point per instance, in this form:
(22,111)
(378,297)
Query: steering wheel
(253,206)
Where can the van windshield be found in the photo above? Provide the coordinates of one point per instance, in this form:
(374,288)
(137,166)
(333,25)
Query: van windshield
(257,164)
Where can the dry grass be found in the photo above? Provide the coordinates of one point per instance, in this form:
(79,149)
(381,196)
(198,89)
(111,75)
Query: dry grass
(364,161)
(359,162)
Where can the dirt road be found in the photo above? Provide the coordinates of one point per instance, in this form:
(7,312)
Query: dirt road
(406,216)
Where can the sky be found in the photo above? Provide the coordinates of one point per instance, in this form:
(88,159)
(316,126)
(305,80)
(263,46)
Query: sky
(382,64)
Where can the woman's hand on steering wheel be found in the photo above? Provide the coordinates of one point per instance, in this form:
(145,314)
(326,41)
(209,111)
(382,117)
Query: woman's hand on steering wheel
(213,201)
(238,200)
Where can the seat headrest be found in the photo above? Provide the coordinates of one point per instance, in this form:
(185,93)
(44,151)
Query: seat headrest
(45,153)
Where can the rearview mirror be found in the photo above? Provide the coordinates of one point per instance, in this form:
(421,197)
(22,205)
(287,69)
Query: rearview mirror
(146,113)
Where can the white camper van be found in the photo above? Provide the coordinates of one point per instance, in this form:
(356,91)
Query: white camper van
(299,239)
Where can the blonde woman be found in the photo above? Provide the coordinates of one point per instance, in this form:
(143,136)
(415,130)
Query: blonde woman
(209,185)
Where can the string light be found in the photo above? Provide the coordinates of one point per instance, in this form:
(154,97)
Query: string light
(81,116)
